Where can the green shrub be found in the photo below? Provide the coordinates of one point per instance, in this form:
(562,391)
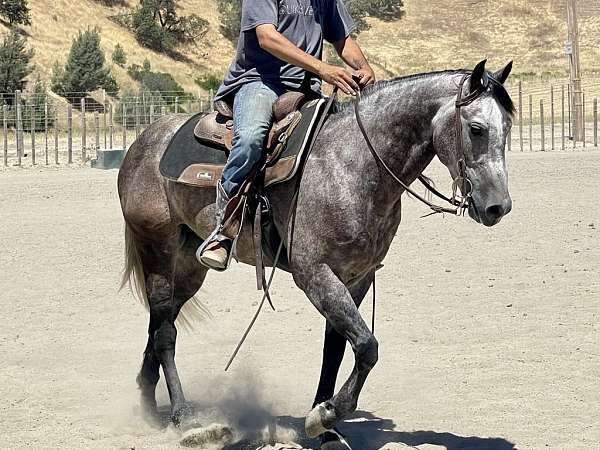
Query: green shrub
(230,12)
(209,81)
(148,32)
(155,81)
(119,57)
(34,103)
(15,11)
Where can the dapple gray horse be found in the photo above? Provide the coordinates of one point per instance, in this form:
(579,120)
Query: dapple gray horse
(348,212)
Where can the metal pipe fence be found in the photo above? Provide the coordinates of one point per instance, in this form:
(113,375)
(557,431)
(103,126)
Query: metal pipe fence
(49,130)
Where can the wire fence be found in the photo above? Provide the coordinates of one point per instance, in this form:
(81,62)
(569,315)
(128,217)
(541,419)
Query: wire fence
(39,129)
(57,131)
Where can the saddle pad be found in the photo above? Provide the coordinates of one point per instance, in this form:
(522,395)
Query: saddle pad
(190,161)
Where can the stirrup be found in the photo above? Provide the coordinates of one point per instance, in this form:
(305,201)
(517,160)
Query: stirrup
(216,255)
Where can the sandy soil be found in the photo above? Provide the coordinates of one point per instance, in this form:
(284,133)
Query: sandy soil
(489,338)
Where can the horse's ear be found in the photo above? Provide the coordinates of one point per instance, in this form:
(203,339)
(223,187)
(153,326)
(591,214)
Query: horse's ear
(502,75)
(477,77)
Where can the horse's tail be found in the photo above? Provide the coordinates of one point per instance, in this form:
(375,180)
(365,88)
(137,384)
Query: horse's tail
(193,310)
(133,273)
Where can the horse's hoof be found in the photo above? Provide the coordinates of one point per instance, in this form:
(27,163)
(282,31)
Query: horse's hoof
(215,434)
(183,418)
(319,420)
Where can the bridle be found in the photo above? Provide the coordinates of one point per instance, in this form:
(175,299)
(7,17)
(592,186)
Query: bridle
(459,201)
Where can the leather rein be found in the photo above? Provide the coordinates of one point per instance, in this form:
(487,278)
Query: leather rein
(459,202)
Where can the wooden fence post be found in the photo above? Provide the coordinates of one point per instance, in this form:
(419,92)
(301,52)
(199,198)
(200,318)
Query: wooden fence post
(562,116)
(176,105)
(124,127)
(583,121)
(542,125)
(110,125)
(83,131)
(70,134)
(595,122)
(163,110)
(104,116)
(5,132)
(97,129)
(46,132)
(32,130)
(137,119)
(530,123)
(55,137)
(152,113)
(19,127)
(520,116)
(552,116)
(569,109)
(189,105)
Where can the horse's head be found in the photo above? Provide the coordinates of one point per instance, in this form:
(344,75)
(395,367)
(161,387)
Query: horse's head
(486,123)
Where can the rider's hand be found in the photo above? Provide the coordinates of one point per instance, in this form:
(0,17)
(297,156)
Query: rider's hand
(340,77)
(366,75)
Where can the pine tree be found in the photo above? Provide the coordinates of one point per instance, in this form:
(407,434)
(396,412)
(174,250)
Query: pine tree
(14,62)
(119,56)
(15,11)
(85,70)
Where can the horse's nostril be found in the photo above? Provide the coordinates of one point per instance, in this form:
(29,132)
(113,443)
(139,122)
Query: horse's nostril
(494,211)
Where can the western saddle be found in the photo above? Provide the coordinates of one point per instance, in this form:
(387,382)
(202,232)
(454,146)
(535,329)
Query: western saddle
(217,127)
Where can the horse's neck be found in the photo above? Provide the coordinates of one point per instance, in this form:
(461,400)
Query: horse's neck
(399,119)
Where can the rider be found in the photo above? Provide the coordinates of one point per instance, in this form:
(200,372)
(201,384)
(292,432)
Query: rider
(279,49)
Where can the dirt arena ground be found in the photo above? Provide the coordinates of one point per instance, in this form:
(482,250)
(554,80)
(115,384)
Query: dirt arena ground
(489,338)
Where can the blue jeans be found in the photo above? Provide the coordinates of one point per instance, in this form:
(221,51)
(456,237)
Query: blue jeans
(252,117)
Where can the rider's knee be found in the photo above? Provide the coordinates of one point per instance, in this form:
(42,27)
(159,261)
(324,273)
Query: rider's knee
(367,353)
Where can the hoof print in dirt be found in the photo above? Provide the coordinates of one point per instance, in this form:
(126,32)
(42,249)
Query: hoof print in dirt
(213,435)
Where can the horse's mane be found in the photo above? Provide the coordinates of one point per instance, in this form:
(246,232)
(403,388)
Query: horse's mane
(497,90)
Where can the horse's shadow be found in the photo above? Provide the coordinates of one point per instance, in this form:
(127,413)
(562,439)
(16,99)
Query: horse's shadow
(374,433)
(366,431)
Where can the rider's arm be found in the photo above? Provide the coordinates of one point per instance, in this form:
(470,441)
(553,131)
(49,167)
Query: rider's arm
(352,55)
(278,45)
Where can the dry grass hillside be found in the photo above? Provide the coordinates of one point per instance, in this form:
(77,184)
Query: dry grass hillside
(434,34)
(440,33)
(56,22)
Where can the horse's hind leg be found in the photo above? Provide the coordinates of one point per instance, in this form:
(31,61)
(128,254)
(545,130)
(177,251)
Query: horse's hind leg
(149,374)
(170,282)
(335,303)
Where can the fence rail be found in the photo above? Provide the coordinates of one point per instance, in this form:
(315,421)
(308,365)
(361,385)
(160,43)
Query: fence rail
(43,130)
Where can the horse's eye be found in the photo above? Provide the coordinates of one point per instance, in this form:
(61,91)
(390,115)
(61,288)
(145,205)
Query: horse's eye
(476,129)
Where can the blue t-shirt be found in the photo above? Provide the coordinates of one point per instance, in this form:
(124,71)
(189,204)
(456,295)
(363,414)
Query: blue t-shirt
(305,23)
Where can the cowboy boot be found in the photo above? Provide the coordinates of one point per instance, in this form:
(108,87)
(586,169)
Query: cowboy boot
(214,253)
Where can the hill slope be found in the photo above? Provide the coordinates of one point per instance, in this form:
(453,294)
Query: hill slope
(440,33)
(433,35)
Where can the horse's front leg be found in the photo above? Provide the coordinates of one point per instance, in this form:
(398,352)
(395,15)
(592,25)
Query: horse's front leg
(335,345)
(335,303)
